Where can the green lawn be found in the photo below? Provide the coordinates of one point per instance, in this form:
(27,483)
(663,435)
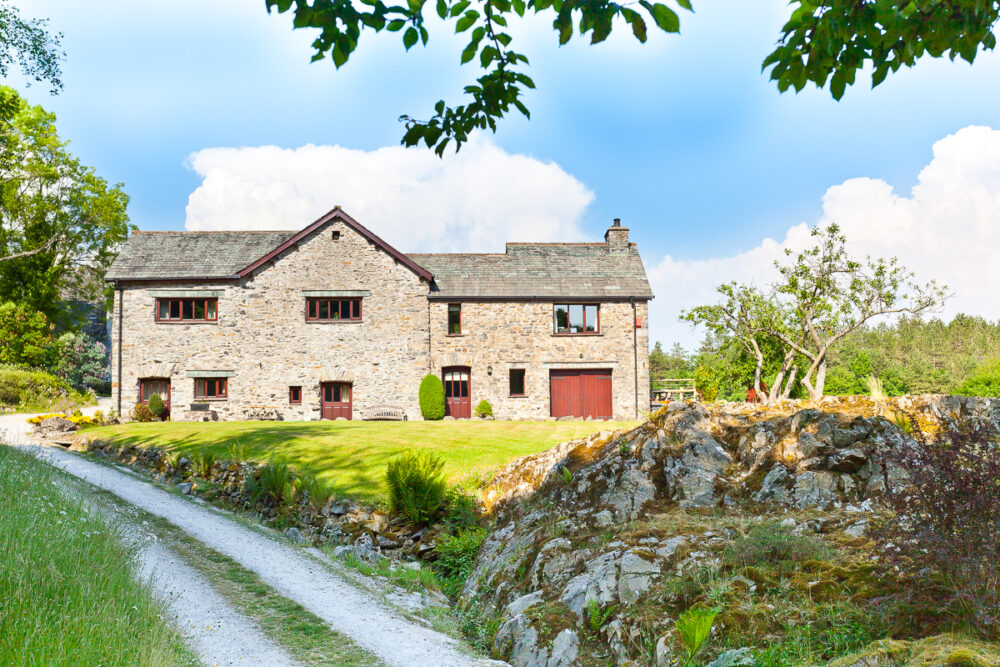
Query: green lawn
(353,454)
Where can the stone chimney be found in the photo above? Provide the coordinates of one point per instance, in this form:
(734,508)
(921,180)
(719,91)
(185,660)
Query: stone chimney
(617,237)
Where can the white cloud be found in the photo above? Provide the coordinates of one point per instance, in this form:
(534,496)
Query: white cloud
(473,201)
(947,229)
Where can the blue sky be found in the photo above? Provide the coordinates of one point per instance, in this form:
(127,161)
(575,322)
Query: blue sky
(684,138)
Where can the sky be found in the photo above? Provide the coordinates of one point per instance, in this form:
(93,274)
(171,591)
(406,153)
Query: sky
(213,117)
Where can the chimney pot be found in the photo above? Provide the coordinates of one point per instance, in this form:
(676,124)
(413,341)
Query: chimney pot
(618,222)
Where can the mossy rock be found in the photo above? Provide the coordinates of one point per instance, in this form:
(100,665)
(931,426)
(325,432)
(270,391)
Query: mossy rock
(824,590)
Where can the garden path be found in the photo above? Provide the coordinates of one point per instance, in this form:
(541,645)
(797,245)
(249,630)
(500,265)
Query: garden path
(398,641)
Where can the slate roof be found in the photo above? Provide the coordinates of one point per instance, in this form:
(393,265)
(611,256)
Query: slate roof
(191,255)
(539,270)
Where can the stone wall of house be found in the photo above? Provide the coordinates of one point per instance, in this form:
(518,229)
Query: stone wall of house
(264,340)
(519,335)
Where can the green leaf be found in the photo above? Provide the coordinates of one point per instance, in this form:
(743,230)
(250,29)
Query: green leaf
(466,21)
(686,4)
(666,19)
(442,8)
(395,25)
(470,51)
(410,37)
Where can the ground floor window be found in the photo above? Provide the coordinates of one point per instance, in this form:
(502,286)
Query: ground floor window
(150,386)
(211,388)
(295,395)
(517,382)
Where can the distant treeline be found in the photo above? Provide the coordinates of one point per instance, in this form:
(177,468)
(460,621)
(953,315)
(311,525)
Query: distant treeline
(910,356)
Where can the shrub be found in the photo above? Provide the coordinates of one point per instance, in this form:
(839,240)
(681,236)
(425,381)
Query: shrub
(25,336)
(460,511)
(156,406)
(238,452)
(81,361)
(773,544)
(35,391)
(984,382)
(484,409)
(275,483)
(416,486)
(432,398)
(319,490)
(944,533)
(142,413)
(456,556)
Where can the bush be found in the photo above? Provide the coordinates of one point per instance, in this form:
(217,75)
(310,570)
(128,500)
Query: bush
(432,398)
(25,336)
(81,361)
(275,483)
(984,382)
(156,406)
(416,486)
(456,556)
(944,533)
(203,463)
(142,413)
(35,391)
(773,544)
(484,409)
(460,511)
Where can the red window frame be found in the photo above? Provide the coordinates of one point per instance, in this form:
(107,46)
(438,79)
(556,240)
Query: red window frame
(220,385)
(458,309)
(144,383)
(295,395)
(584,306)
(179,306)
(316,306)
(510,383)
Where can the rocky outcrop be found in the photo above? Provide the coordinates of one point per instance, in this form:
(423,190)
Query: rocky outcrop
(550,551)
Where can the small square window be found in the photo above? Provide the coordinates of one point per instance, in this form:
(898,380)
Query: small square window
(517,382)
(335,235)
(295,395)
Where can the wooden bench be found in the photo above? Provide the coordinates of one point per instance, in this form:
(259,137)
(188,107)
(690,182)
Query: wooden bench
(384,413)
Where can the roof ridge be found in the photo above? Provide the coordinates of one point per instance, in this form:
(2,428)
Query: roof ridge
(214,231)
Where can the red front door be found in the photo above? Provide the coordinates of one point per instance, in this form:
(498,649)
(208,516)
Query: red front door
(456,392)
(581,393)
(335,400)
(150,386)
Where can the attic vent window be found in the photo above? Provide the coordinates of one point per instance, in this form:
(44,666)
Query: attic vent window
(335,235)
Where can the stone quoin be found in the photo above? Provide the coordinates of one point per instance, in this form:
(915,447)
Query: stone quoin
(333,322)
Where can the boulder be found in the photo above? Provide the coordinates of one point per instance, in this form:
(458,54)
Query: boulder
(564,649)
(53,425)
(636,573)
(815,489)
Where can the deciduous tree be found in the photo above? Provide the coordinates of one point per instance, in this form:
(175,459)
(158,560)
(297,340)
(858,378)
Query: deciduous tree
(825,42)
(29,44)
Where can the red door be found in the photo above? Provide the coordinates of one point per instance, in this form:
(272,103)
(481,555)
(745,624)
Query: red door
(457,403)
(335,400)
(580,393)
(150,386)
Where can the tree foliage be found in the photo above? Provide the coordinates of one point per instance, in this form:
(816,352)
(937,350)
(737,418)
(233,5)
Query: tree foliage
(81,361)
(824,42)
(29,44)
(61,225)
(25,336)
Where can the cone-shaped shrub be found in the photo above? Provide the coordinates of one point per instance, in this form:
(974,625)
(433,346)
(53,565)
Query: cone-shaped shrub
(432,397)
(156,406)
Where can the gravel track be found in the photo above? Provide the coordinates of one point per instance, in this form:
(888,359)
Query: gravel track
(218,634)
(361,616)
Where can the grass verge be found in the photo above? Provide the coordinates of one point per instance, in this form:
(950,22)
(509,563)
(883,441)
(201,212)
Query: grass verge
(68,588)
(352,454)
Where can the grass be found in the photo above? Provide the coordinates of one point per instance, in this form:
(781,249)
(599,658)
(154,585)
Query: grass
(68,588)
(352,455)
(300,632)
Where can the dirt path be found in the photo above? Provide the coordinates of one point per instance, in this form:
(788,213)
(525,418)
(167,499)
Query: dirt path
(217,633)
(396,640)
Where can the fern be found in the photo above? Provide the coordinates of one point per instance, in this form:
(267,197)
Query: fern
(597,615)
(567,475)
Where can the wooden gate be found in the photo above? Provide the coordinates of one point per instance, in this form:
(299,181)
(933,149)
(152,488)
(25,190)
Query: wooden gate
(580,393)
(335,400)
(457,403)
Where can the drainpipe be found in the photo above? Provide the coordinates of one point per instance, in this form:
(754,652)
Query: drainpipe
(429,334)
(121,314)
(635,354)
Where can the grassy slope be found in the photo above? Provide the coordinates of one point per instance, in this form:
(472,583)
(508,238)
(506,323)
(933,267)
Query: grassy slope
(353,454)
(68,588)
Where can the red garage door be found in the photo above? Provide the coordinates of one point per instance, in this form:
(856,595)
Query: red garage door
(579,393)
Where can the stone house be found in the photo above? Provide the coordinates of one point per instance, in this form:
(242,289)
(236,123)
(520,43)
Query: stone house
(332,321)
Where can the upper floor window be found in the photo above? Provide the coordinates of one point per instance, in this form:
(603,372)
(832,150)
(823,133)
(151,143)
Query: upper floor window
(576,318)
(454,318)
(211,388)
(321,309)
(187,310)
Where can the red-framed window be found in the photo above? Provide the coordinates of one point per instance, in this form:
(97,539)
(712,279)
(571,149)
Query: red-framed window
(150,386)
(211,388)
(321,309)
(187,310)
(576,318)
(454,319)
(295,395)
(517,382)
